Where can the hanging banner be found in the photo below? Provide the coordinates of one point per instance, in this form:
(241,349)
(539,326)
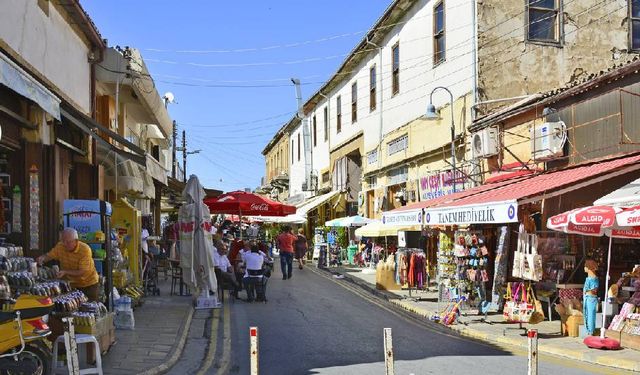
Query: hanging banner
(402,218)
(489,213)
(16,219)
(34,209)
(438,184)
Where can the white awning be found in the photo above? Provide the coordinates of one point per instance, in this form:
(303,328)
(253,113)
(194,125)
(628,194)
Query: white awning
(628,195)
(156,170)
(15,78)
(314,202)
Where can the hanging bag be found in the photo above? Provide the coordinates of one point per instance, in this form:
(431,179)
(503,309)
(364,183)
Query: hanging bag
(538,313)
(532,260)
(518,255)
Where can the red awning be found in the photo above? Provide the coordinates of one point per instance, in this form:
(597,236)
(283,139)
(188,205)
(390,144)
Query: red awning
(500,204)
(249,204)
(551,184)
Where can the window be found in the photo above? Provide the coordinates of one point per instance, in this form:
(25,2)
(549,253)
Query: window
(372,88)
(398,175)
(298,146)
(398,144)
(338,114)
(372,182)
(634,32)
(325,177)
(292,148)
(315,131)
(326,123)
(543,21)
(395,66)
(354,102)
(439,44)
(372,157)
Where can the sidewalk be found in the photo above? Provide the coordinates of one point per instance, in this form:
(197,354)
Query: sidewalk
(495,330)
(161,325)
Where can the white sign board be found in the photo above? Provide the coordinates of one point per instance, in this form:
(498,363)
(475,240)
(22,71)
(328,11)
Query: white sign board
(402,218)
(487,213)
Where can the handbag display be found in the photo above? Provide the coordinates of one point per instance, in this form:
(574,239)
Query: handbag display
(538,313)
(518,255)
(532,260)
(517,309)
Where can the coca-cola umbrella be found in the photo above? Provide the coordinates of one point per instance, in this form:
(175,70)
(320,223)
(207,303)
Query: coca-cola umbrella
(612,221)
(248,204)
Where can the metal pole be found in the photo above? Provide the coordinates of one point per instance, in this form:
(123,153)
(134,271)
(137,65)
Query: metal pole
(388,352)
(253,350)
(453,134)
(532,366)
(184,155)
(175,139)
(606,291)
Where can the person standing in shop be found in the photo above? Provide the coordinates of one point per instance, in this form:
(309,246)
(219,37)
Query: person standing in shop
(76,263)
(285,241)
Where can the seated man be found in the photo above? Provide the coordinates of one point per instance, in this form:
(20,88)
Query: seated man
(226,269)
(254,280)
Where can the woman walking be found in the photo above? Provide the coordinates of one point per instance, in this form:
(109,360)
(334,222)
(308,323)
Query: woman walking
(301,248)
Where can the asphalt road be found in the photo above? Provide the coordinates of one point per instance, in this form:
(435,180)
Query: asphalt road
(313,325)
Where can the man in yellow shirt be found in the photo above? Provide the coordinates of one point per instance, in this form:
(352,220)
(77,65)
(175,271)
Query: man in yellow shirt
(76,263)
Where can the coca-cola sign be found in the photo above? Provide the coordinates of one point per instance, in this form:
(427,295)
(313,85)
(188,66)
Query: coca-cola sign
(259,207)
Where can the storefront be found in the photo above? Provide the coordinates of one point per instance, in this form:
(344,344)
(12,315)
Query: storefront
(480,231)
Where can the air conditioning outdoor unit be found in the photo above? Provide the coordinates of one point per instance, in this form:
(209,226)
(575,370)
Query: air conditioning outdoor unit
(484,143)
(547,140)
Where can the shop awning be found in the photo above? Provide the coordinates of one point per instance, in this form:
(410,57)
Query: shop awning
(378,229)
(628,195)
(130,179)
(156,170)
(86,124)
(15,78)
(500,205)
(412,214)
(314,202)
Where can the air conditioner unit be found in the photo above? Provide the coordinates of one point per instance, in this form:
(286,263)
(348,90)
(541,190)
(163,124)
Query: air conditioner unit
(547,140)
(484,143)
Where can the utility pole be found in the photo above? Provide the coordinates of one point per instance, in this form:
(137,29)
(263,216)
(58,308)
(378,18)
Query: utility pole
(175,140)
(184,154)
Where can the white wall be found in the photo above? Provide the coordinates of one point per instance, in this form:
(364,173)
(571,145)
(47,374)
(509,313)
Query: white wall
(296,171)
(418,76)
(50,45)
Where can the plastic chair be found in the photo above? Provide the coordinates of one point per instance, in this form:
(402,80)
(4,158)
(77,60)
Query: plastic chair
(81,339)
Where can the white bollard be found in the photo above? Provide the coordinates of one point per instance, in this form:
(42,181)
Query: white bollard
(532,368)
(388,352)
(253,350)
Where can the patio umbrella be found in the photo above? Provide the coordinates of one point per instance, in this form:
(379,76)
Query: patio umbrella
(248,204)
(350,221)
(612,221)
(243,203)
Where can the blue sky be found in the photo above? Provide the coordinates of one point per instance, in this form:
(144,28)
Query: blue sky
(200,49)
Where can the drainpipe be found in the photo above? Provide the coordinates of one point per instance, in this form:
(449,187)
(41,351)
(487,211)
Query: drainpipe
(474,23)
(379,82)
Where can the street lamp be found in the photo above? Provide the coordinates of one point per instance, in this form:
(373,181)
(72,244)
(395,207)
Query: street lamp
(431,114)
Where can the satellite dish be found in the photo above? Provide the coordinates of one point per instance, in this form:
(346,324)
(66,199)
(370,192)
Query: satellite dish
(168,96)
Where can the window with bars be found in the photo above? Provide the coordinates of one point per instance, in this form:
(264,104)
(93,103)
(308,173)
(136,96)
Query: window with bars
(372,157)
(338,114)
(372,88)
(439,44)
(634,24)
(315,131)
(326,123)
(395,69)
(399,144)
(354,102)
(299,146)
(543,20)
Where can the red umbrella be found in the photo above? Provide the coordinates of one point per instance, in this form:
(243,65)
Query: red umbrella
(249,204)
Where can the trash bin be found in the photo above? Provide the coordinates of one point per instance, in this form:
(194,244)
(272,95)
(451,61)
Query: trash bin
(351,252)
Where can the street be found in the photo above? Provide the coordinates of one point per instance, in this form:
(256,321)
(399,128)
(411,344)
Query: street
(313,325)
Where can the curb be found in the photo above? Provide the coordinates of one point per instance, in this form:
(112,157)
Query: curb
(160,369)
(589,357)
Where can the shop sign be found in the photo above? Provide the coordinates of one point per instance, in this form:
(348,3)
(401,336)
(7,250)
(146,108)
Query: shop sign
(402,218)
(441,183)
(489,213)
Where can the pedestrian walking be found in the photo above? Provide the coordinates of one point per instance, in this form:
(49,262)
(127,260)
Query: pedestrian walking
(301,248)
(285,242)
